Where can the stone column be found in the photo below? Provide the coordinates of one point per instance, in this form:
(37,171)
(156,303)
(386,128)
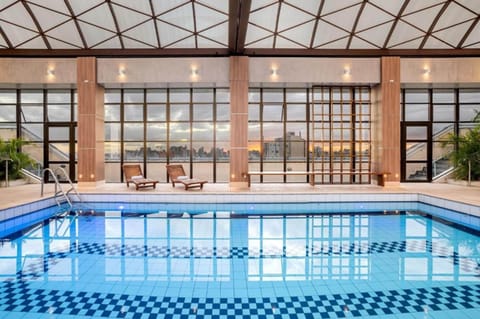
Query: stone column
(238,122)
(91,150)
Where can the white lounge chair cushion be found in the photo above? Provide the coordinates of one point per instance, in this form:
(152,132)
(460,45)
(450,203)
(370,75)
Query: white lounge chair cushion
(137,177)
(182,178)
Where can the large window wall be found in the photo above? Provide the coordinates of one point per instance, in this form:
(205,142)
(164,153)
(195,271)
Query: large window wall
(283,136)
(47,120)
(428,117)
(154,127)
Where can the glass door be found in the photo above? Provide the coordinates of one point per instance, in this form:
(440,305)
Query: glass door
(416,152)
(61,148)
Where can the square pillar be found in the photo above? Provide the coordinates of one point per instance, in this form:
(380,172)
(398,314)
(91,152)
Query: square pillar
(91,136)
(238,122)
(386,122)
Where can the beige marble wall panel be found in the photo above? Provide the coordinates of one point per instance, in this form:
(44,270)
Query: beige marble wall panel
(439,70)
(315,70)
(36,70)
(163,70)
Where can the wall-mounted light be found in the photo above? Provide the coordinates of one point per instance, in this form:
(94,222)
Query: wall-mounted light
(274,72)
(347,71)
(122,71)
(194,71)
(426,71)
(51,72)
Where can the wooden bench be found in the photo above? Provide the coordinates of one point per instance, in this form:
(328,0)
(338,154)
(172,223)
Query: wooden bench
(381,176)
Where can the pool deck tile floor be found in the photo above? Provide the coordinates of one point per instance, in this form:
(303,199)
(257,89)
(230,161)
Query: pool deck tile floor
(18,195)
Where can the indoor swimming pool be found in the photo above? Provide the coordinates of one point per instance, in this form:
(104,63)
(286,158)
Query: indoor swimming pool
(120,260)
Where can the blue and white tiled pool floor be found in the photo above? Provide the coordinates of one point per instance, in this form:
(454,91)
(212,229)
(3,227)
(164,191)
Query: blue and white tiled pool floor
(208,266)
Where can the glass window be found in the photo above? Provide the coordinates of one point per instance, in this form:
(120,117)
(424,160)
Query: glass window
(8,113)
(112,96)
(133,113)
(112,132)
(133,96)
(156,131)
(156,95)
(416,96)
(59,113)
(223,96)
(416,112)
(179,96)
(32,113)
(179,112)
(112,112)
(8,97)
(273,112)
(444,113)
(133,132)
(202,96)
(296,112)
(443,96)
(31,97)
(223,112)
(156,112)
(202,112)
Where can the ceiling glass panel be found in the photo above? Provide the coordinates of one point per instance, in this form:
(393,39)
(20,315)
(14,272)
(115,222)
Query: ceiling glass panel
(453,14)
(358,43)
(339,44)
(55,44)
(255,33)
(169,34)
(344,18)
(162,6)
(144,33)
(47,18)
(472,5)
(423,19)
(450,35)
(6,3)
(261,3)
(327,33)
(434,43)
(286,44)
(207,43)
(372,16)
(35,43)
(403,32)
(138,5)
(218,34)
(19,15)
(113,43)
(182,17)
(127,18)
(264,43)
(15,34)
(185,43)
(309,6)
(133,44)
(392,6)
(79,7)
(474,36)
(413,44)
(100,16)
(330,6)
(377,35)
(67,32)
(289,17)
(2,42)
(206,17)
(266,17)
(415,5)
(57,5)
(215,4)
(94,35)
(301,34)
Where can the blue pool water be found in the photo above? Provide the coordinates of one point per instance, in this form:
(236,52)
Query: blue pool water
(118,260)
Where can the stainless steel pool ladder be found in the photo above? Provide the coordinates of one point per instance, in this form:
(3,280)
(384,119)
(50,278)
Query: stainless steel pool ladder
(58,187)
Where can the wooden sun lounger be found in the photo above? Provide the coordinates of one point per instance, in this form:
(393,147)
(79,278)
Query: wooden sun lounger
(177,175)
(133,174)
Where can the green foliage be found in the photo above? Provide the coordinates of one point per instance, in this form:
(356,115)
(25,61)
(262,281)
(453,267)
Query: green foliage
(467,150)
(9,149)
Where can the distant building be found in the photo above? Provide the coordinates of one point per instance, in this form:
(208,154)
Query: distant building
(294,145)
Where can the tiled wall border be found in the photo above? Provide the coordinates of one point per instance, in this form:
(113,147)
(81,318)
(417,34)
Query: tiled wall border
(464,214)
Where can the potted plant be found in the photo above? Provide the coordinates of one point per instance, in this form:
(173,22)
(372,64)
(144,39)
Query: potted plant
(9,152)
(466,154)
